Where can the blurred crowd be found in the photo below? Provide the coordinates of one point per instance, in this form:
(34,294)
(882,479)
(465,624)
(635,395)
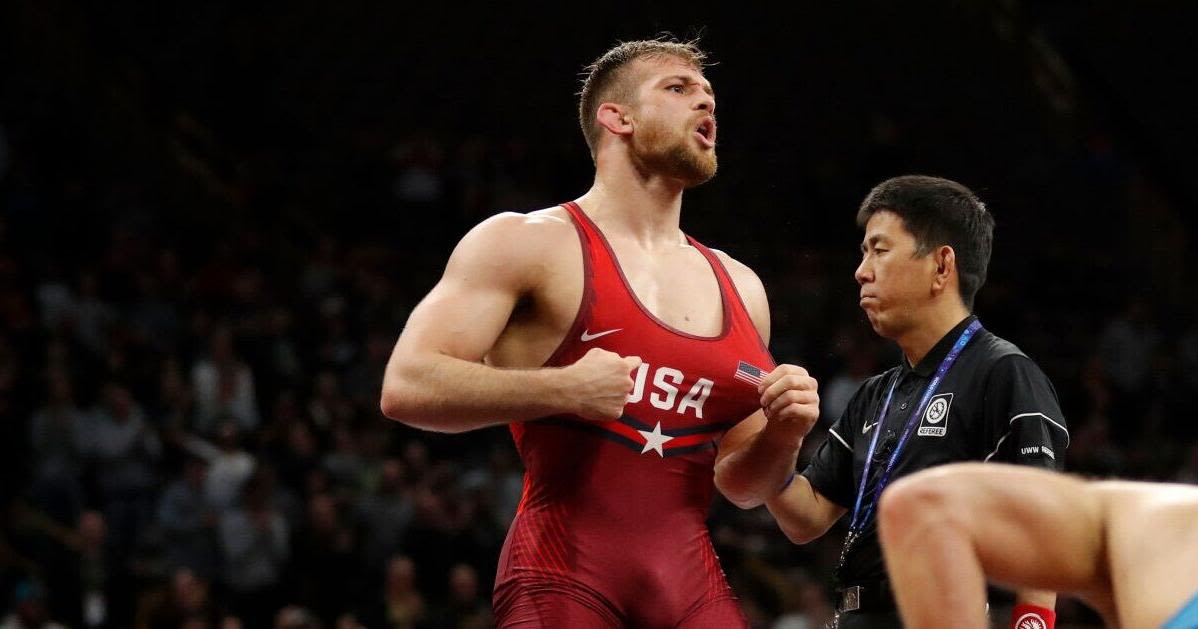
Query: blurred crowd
(196,310)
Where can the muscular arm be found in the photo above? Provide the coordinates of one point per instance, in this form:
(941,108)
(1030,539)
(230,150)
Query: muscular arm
(760,456)
(945,530)
(435,379)
(755,460)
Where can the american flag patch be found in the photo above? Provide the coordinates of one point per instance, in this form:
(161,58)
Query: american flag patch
(748,373)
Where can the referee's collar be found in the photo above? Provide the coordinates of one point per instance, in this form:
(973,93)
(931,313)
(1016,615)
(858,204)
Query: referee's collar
(928,365)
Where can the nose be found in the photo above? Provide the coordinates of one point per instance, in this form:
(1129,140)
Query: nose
(864,272)
(706,103)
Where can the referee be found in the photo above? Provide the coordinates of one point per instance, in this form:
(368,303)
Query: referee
(960,394)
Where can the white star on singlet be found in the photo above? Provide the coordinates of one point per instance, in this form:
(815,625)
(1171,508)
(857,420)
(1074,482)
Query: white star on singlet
(654,440)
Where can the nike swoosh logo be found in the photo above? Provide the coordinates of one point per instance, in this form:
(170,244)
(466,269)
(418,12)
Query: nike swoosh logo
(587,336)
(865,430)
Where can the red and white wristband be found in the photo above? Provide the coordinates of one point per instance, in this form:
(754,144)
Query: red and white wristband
(1033,617)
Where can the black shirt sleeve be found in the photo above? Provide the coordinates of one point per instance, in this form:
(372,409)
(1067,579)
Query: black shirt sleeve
(831,468)
(1024,423)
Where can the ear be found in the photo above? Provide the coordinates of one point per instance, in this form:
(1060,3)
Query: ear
(615,118)
(946,267)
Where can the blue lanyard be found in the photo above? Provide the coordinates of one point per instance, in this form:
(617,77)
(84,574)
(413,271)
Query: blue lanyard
(861,517)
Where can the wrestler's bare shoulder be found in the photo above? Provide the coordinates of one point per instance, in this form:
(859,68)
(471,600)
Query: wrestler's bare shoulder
(739,271)
(516,235)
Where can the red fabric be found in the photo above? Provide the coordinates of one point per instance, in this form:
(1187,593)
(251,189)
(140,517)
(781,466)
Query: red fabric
(598,514)
(1033,617)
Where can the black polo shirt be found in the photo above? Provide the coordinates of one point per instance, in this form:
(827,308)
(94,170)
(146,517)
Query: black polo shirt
(994,404)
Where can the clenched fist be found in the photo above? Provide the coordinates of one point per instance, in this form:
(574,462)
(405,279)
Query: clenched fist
(600,383)
(790,396)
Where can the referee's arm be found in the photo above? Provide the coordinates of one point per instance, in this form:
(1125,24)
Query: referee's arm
(1025,426)
(802,512)
(816,499)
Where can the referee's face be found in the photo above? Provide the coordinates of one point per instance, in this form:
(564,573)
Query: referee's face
(895,283)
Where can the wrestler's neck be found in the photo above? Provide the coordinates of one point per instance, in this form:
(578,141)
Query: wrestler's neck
(631,203)
(929,325)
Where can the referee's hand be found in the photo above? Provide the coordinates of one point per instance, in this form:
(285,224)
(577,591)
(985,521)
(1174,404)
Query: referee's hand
(790,396)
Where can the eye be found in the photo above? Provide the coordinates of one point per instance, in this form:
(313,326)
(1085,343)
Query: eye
(677,89)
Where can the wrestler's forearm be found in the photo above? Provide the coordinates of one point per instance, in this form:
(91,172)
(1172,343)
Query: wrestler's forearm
(935,573)
(758,470)
(446,394)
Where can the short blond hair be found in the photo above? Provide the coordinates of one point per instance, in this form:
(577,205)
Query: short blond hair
(606,79)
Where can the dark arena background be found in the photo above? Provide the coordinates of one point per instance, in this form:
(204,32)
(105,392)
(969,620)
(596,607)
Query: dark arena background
(216,216)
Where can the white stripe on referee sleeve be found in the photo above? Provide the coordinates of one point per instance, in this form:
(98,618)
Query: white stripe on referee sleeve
(840,439)
(1008,433)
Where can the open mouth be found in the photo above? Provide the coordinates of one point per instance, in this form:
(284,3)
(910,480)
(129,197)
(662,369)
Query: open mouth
(705,132)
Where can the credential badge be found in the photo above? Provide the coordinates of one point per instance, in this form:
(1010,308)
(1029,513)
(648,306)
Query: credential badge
(935,418)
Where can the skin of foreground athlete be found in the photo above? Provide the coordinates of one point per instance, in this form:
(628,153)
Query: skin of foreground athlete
(1128,549)
(624,357)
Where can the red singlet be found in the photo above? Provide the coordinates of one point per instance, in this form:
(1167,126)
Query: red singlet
(611,528)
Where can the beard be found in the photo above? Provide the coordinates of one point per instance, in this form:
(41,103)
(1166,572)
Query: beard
(674,154)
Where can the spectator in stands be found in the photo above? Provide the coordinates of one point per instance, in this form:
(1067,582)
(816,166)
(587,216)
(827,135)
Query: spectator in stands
(224,387)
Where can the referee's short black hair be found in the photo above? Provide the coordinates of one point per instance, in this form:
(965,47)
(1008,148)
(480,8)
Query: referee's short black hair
(939,212)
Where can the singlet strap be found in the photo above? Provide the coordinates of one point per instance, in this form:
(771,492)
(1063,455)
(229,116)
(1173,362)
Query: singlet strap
(599,258)
(587,303)
(735,306)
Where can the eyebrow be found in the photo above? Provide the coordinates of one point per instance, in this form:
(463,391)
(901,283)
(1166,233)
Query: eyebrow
(690,81)
(872,240)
